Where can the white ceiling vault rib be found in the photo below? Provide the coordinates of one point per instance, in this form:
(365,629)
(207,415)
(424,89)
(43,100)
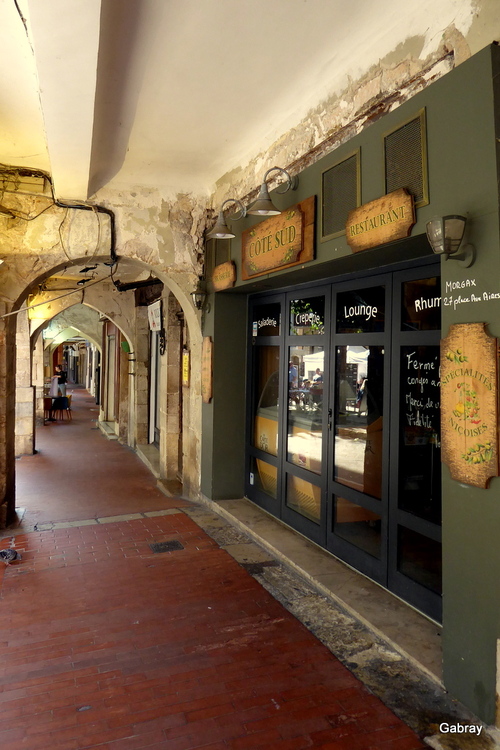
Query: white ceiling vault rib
(67,73)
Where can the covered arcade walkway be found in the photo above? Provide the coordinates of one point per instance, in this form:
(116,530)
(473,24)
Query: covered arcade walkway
(108,644)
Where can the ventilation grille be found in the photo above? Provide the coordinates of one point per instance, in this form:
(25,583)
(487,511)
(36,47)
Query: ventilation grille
(405,160)
(340,194)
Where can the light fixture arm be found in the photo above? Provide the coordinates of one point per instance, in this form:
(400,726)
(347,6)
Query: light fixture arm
(242,209)
(291,184)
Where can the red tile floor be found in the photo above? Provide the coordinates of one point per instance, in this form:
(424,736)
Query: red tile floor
(106,645)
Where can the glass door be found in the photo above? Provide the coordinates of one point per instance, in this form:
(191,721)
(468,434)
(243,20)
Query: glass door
(358,455)
(415,482)
(343,438)
(306,410)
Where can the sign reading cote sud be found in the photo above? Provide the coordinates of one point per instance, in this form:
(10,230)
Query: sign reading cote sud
(280,241)
(383,220)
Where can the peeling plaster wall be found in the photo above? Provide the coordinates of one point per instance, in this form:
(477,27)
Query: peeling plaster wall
(366,94)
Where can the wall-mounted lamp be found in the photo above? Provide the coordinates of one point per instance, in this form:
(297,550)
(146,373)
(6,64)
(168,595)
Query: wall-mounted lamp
(221,230)
(264,206)
(199,296)
(445,236)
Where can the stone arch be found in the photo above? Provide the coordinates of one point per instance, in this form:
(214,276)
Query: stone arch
(19,289)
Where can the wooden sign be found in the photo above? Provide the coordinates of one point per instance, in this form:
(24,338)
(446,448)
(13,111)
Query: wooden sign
(185,367)
(206,370)
(469,430)
(224,276)
(280,241)
(383,220)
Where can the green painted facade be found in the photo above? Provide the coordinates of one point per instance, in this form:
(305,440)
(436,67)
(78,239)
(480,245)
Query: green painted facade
(462,125)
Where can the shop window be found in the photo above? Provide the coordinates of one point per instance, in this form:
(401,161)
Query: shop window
(264,477)
(358,525)
(359,418)
(266,320)
(361,310)
(419,558)
(419,466)
(303,497)
(421,305)
(307,316)
(305,406)
(266,384)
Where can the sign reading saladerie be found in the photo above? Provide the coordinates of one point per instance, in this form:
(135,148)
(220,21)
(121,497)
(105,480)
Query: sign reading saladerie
(469,440)
(280,241)
(383,220)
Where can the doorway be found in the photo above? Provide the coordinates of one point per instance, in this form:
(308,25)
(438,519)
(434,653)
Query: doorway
(343,438)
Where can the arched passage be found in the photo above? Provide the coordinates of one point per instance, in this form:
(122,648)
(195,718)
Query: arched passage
(22,335)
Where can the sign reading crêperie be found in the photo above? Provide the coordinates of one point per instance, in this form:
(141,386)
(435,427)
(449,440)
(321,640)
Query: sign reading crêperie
(280,241)
(469,427)
(383,220)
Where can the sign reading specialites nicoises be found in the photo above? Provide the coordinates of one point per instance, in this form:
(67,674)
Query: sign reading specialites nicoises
(469,428)
(383,220)
(280,241)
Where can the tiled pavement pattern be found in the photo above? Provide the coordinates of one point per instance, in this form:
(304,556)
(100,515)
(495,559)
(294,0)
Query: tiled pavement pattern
(107,645)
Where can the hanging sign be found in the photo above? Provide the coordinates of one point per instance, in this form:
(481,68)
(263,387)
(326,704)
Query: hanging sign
(383,220)
(469,429)
(154,316)
(224,276)
(185,367)
(280,241)
(206,370)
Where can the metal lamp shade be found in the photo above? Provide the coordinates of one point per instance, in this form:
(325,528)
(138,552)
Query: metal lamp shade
(221,230)
(446,233)
(263,206)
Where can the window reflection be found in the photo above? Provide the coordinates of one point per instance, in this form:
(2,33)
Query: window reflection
(421,305)
(420,427)
(307,316)
(304,498)
(419,558)
(358,418)
(266,380)
(358,525)
(265,477)
(305,406)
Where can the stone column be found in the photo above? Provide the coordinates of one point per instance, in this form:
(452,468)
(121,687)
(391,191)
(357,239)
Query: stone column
(7,418)
(25,393)
(141,376)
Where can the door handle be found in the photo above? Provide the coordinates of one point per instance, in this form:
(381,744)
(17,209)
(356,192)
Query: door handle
(330,418)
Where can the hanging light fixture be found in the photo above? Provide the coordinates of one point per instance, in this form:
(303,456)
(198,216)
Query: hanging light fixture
(264,206)
(199,295)
(445,234)
(221,230)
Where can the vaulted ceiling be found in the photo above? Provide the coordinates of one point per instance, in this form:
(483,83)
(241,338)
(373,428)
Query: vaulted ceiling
(176,93)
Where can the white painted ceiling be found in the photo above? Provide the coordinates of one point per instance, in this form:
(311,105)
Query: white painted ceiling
(175,93)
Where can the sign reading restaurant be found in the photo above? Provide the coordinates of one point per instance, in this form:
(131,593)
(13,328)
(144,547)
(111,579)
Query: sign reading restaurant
(280,241)
(383,220)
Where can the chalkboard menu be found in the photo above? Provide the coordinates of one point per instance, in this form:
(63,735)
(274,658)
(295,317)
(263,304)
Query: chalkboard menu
(419,454)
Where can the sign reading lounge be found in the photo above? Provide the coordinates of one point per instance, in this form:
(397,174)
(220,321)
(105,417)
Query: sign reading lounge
(383,220)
